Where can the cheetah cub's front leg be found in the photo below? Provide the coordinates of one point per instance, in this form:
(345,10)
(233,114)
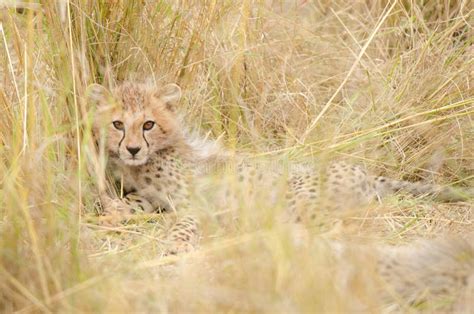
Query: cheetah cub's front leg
(111,210)
(130,204)
(116,210)
(183,236)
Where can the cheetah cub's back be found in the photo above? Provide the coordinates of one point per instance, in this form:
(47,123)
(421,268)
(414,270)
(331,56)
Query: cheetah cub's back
(310,188)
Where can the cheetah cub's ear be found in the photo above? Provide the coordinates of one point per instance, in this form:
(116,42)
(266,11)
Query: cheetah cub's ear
(98,95)
(169,95)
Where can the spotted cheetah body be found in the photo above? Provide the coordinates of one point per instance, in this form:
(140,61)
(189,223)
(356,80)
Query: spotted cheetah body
(310,189)
(156,164)
(160,170)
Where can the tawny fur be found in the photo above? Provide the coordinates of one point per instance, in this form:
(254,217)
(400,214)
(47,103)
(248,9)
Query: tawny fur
(433,271)
(155,178)
(436,274)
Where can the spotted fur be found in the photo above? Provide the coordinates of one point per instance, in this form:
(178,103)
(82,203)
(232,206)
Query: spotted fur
(311,190)
(148,154)
(155,159)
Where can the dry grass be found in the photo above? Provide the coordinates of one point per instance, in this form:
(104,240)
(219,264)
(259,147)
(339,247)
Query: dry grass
(388,85)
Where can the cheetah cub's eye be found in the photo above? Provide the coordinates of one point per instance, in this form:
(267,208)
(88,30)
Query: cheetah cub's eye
(148,125)
(118,125)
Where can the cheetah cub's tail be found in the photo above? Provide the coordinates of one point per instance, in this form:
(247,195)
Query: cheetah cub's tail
(440,269)
(385,186)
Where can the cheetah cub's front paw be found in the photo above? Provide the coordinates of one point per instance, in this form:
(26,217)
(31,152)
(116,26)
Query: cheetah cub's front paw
(113,211)
(183,236)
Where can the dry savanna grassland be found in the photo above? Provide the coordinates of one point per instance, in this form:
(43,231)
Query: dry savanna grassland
(385,84)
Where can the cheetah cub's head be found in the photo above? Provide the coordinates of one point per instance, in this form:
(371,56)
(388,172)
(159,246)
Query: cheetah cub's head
(136,120)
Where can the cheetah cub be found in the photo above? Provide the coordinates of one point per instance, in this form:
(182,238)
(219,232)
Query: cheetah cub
(154,160)
(149,154)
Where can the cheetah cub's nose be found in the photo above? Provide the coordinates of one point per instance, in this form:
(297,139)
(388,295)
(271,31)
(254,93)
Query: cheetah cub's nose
(133,150)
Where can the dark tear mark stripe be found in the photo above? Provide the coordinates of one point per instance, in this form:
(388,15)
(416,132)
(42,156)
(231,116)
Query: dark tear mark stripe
(123,137)
(143,134)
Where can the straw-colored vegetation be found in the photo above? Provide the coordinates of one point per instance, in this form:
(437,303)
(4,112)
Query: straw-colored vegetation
(387,84)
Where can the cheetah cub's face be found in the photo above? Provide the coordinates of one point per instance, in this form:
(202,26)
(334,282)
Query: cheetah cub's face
(135,120)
